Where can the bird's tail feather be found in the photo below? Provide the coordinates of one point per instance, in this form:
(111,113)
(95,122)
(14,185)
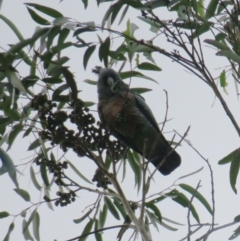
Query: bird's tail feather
(171,161)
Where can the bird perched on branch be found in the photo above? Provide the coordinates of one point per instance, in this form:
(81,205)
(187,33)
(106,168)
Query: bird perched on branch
(127,116)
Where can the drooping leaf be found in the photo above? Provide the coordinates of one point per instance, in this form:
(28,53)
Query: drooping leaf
(181,199)
(86,230)
(103,216)
(111,207)
(136,169)
(34,145)
(48,11)
(229,54)
(37,18)
(197,195)
(4,214)
(34,180)
(237,219)
(70,82)
(236,234)
(91,82)
(104,51)
(211,8)
(79,220)
(149,66)
(87,55)
(44,175)
(9,165)
(97,234)
(78,172)
(10,229)
(216,44)
(130,74)
(36,225)
(23,193)
(234,170)
(29,220)
(26,232)
(229,157)
(155,210)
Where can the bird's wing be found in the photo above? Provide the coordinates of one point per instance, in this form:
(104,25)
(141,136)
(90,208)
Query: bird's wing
(146,111)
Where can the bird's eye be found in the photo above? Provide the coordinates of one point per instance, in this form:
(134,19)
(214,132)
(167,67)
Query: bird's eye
(110,81)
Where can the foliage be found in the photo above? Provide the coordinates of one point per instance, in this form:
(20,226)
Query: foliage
(54,114)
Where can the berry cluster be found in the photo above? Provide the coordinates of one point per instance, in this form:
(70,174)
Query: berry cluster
(101,179)
(65,198)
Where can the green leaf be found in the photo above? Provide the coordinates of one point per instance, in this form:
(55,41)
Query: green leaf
(229,54)
(223,5)
(19,46)
(140,90)
(120,208)
(34,180)
(4,214)
(237,219)
(103,216)
(201,30)
(34,145)
(201,8)
(113,10)
(123,14)
(62,37)
(129,32)
(197,195)
(13,134)
(236,234)
(36,225)
(29,220)
(23,193)
(70,82)
(87,55)
(43,171)
(229,157)
(216,44)
(97,234)
(104,51)
(79,220)
(51,35)
(26,232)
(86,230)
(222,78)
(58,91)
(234,170)
(181,199)
(13,27)
(136,169)
(148,66)
(84,29)
(52,80)
(10,229)
(9,165)
(78,172)
(111,207)
(85,2)
(38,19)
(211,8)
(155,210)
(91,82)
(48,11)
(130,74)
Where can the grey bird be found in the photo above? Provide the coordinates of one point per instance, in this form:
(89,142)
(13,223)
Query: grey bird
(127,116)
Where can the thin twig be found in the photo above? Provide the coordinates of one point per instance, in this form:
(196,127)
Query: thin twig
(189,209)
(165,119)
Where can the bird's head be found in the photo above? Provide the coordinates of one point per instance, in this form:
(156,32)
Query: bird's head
(109,83)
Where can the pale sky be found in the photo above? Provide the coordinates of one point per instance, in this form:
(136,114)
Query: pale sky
(191,102)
